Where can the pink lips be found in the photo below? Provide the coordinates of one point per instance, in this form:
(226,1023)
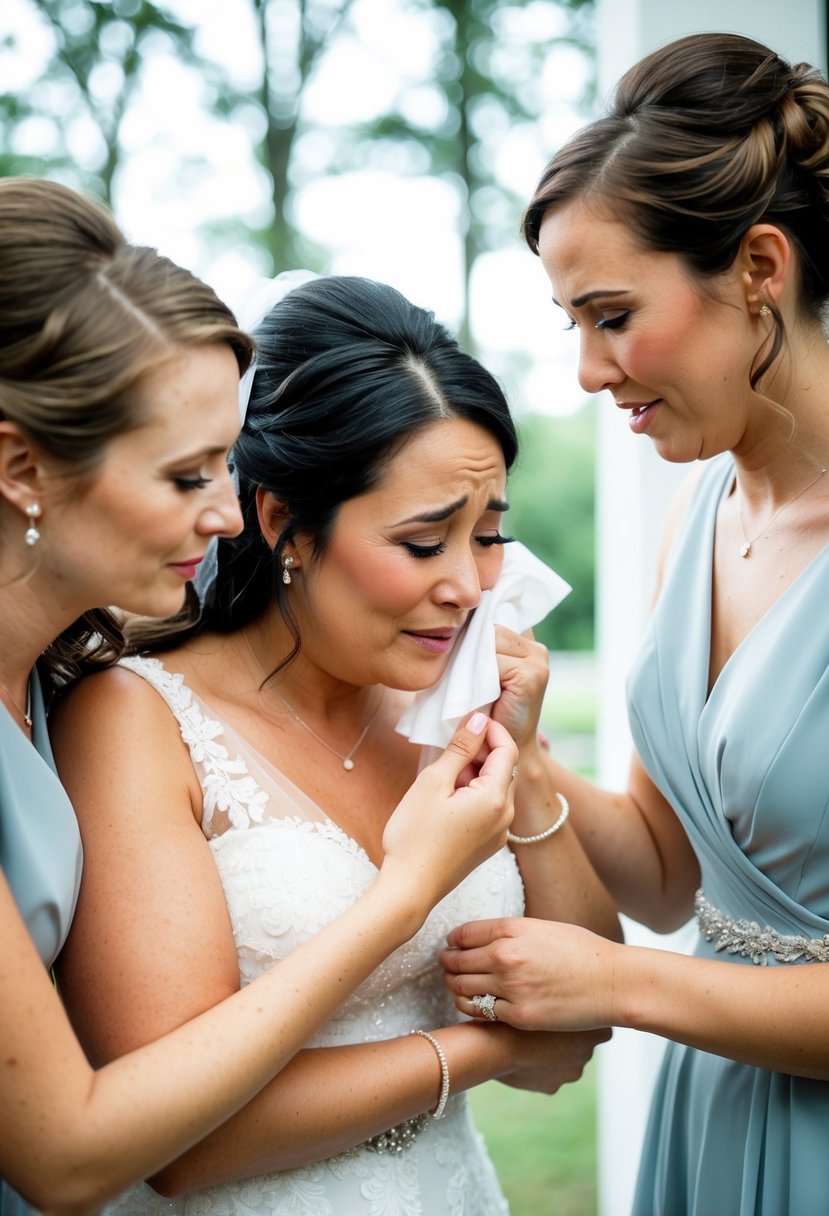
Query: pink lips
(641,413)
(187,570)
(435,641)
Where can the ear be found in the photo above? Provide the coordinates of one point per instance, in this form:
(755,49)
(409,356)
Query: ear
(272,516)
(766,262)
(22,467)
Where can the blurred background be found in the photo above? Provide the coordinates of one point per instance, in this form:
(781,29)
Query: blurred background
(401,139)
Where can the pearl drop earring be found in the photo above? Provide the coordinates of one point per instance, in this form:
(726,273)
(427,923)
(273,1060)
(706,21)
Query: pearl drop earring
(32,535)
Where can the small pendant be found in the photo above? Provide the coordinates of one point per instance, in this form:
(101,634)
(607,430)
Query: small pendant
(746,549)
(348,764)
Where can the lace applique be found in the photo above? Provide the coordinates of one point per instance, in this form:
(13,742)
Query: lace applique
(746,938)
(226,782)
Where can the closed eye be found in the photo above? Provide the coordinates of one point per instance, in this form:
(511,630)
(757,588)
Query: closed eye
(192,483)
(486,542)
(424,550)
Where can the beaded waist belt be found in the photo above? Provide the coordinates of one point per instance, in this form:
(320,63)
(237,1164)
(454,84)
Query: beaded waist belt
(745,937)
(394,1140)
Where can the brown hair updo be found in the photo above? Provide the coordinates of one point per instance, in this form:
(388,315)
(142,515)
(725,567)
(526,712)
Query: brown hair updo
(704,138)
(84,316)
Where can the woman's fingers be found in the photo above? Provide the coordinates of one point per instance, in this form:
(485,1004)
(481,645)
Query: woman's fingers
(473,934)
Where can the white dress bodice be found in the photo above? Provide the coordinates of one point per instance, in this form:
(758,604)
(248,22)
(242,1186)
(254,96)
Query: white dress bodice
(287,870)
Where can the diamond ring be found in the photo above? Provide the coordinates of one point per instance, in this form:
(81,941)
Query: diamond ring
(486,1005)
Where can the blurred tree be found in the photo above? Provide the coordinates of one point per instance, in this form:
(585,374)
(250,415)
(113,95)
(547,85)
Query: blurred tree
(484,79)
(294,35)
(488,71)
(551,494)
(93,55)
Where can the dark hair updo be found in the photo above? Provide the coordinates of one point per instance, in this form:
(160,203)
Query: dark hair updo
(347,370)
(704,138)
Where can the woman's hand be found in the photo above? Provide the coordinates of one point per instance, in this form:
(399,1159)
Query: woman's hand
(544,1062)
(457,812)
(523,668)
(545,974)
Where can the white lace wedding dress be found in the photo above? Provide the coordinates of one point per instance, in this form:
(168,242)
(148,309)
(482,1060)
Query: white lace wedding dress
(287,870)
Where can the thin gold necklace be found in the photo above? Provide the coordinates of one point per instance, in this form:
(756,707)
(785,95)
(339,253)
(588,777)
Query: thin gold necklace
(346,760)
(25,714)
(745,551)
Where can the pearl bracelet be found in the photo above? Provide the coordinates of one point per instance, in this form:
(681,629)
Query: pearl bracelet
(565,811)
(440,1109)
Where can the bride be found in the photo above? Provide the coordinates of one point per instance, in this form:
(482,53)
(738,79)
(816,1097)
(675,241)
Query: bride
(234,777)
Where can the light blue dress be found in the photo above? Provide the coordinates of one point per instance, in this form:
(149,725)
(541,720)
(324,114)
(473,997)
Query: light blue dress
(40,849)
(747,770)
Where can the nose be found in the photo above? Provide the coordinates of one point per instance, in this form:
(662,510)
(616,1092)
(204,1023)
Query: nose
(223,515)
(460,584)
(597,367)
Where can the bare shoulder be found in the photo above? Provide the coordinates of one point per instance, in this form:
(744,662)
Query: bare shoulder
(114,731)
(104,702)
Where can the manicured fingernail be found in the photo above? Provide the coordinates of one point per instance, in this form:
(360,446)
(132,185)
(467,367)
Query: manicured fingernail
(477,723)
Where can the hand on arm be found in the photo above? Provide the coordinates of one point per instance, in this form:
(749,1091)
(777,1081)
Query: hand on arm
(561,977)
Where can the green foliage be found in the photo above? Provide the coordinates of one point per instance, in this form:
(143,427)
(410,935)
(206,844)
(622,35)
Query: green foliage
(552,508)
(543,1147)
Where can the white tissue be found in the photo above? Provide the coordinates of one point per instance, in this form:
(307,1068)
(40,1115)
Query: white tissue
(525,592)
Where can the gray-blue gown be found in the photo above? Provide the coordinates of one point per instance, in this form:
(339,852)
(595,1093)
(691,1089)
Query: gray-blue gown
(40,850)
(747,770)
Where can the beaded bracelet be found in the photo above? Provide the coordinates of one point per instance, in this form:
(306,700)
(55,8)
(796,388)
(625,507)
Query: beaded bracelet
(440,1109)
(565,811)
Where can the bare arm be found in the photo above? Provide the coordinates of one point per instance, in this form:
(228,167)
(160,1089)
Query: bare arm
(559,977)
(632,839)
(636,845)
(152,946)
(559,881)
(71,1137)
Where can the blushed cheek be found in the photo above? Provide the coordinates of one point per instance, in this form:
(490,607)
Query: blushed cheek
(389,583)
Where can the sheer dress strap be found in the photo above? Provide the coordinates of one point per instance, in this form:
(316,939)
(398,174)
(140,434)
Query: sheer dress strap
(241,788)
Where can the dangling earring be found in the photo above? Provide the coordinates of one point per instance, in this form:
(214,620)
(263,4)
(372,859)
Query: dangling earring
(765,311)
(32,535)
(287,562)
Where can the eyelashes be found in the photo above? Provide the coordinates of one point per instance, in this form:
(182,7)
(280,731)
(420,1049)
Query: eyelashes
(485,542)
(616,322)
(192,483)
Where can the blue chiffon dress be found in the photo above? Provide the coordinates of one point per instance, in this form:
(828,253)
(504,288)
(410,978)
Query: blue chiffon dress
(40,850)
(747,770)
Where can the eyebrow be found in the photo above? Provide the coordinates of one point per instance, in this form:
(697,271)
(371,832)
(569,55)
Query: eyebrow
(200,454)
(435,517)
(601,292)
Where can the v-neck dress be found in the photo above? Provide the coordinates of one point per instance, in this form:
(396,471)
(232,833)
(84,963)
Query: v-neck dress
(287,870)
(40,849)
(747,770)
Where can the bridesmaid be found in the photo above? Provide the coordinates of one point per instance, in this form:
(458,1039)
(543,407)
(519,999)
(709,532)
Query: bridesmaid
(686,238)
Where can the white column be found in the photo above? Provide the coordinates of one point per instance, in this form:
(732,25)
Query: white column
(633,489)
